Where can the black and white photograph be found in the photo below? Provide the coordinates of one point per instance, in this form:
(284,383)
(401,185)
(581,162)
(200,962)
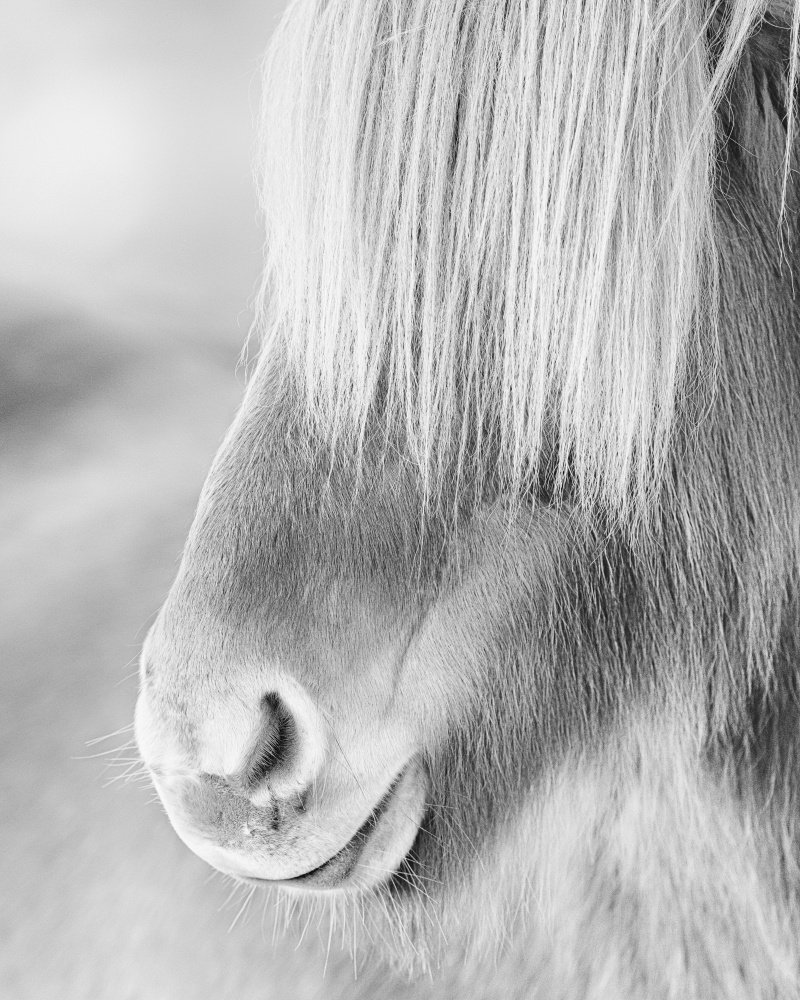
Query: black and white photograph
(400,500)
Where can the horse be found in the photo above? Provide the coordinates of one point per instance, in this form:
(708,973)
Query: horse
(485,635)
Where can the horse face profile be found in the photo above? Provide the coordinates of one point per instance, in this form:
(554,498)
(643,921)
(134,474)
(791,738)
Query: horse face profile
(486,627)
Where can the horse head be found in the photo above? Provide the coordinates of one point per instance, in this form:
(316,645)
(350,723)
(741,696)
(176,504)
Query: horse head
(490,595)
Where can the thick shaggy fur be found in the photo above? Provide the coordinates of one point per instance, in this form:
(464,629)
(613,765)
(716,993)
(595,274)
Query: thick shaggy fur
(536,260)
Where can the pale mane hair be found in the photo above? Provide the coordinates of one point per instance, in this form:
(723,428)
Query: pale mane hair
(492,224)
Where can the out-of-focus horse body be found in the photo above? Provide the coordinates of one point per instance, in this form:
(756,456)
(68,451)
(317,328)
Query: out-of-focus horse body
(486,629)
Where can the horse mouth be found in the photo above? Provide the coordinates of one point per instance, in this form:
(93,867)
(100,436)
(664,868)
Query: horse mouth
(377,849)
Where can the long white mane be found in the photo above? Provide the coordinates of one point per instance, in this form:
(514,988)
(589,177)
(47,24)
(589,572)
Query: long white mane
(493,223)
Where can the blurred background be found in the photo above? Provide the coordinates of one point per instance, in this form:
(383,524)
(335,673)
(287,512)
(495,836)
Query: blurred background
(129,254)
(126,129)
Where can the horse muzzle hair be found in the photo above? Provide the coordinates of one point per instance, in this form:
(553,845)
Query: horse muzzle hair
(291,754)
(322,655)
(279,716)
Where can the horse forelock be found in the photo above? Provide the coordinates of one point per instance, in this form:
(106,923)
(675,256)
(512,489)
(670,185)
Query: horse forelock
(490,227)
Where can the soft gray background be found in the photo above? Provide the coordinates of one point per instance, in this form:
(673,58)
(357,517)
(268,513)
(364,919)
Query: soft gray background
(129,253)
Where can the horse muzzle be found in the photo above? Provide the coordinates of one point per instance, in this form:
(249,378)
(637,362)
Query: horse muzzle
(274,804)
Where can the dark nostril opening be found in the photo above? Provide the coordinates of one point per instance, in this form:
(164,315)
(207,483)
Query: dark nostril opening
(276,741)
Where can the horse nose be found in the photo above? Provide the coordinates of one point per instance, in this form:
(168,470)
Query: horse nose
(263,745)
(278,755)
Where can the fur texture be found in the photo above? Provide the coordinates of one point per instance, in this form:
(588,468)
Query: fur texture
(495,224)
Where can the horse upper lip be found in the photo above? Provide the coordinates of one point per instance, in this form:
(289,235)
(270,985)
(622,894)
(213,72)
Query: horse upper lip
(340,865)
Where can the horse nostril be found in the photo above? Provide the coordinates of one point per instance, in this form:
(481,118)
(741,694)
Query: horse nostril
(275,743)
